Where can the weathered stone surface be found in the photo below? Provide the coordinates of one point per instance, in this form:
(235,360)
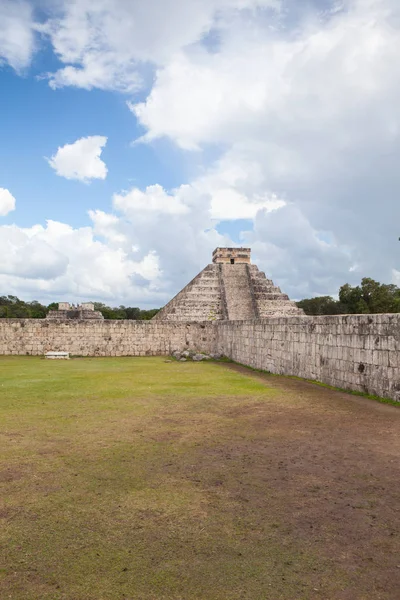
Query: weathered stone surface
(200,300)
(237,292)
(229,289)
(198,357)
(268,299)
(353,352)
(103,338)
(231,255)
(74,313)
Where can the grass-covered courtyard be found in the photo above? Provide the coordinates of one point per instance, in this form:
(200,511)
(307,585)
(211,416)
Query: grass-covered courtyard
(137,478)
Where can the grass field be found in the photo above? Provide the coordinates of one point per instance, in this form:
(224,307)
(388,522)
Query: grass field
(137,478)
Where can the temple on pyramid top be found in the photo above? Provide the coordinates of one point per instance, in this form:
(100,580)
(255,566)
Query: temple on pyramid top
(231,256)
(232,289)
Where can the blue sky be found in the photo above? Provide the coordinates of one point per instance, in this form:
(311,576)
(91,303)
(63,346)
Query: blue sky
(136,137)
(35,120)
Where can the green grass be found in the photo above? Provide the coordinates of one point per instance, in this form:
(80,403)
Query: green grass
(321,384)
(127,478)
(354,392)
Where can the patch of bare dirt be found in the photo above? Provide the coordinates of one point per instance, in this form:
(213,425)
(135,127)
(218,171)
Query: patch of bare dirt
(8,475)
(323,466)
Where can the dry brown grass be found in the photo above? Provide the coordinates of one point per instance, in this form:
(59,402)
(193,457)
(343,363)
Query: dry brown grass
(138,479)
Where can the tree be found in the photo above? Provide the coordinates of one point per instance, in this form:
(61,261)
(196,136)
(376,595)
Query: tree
(125,312)
(132,313)
(147,315)
(380,297)
(106,311)
(12,307)
(37,310)
(321,305)
(369,297)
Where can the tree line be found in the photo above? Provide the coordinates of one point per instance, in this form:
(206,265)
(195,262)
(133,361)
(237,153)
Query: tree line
(369,297)
(12,307)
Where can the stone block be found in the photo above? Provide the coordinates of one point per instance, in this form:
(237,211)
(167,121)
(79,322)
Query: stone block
(57,355)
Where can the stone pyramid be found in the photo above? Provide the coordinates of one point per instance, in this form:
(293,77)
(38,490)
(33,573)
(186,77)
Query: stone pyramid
(230,288)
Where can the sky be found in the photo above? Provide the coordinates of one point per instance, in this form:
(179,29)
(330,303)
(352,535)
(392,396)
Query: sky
(138,135)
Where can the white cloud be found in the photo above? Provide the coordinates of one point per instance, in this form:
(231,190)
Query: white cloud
(143,256)
(302,106)
(105,43)
(58,261)
(295,255)
(178,226)
(7,202)
(17,37)
(134,256)
(261,87)
(81,160)
(311,117)
(107,226)
(237,191)
(153,200)
(26,253)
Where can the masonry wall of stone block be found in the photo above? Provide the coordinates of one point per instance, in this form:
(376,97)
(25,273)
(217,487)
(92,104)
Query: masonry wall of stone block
(354,352)
(103,338)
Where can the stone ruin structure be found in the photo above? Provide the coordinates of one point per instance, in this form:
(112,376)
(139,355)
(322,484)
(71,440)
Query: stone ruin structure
(70,311)
(229,289)
(229,309)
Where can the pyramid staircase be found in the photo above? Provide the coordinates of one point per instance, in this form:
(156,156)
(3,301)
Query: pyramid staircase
(237,292)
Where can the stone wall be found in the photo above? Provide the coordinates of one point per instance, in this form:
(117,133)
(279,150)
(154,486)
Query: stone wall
(355,352)
(103,338)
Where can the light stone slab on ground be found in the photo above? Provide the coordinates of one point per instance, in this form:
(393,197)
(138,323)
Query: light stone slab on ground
(57,355)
